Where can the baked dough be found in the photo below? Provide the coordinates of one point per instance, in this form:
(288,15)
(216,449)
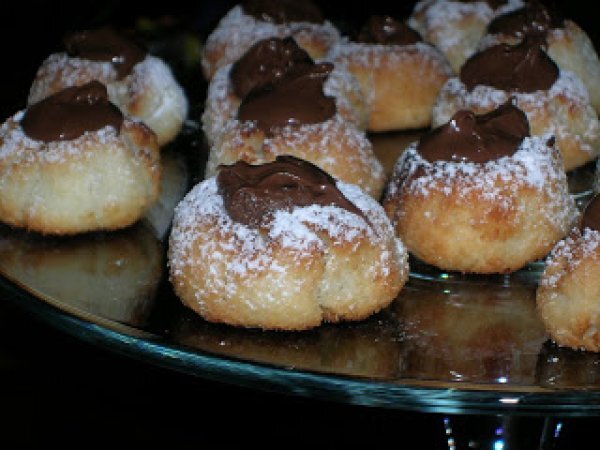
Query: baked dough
(149,93)
(456,27)
(335,145)
(222,103)
(400,82)
(102,180)
(569,289)
(308,265)
(237,31)
(492,217)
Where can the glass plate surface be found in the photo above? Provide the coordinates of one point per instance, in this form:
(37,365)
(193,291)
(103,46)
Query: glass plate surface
(449,343)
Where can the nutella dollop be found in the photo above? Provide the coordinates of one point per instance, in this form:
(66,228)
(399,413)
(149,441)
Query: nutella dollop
(71,112)
(524,67)
(468,137)
(296,99)
(388,31)
(251,193)
(533,19)
(266,62)
(283,11)
(106,44)
(591,214)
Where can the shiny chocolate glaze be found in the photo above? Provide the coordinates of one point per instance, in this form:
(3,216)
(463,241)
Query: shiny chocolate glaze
(387,30)
(468,137)
(106,44)
(591,214)
(251,193)
(533,19)
(70,113)
(283,11)
(296,99)
(266,62)
(524,67)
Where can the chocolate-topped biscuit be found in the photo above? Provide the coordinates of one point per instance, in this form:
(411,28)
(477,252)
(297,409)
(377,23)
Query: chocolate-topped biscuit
(388,31)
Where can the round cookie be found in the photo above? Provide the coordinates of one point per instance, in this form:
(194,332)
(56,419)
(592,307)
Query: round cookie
(293,116)
(456,27)
(555,101)
(255,20)
(283,246)
(73,163)
(140,84)
(569,289)
(479,195)
(565,42)
(266,62)
(400,75)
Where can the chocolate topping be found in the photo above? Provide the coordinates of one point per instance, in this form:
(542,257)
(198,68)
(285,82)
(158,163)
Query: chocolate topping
(266,62)
(476,138)
(296,99)
(521,68)
(591,214)
(106,44)
(283,11)
(71,112)
(533,19)
(251,193)
(387,30)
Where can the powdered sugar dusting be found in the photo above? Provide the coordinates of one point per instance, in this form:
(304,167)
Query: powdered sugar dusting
(534,165)
(201,223)
(568,254)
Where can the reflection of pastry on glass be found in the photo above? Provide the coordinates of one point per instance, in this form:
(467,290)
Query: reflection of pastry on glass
(254,20)
(294,116)
(474,332)
(456,27)
(141,85)
(283,245)
(369,348)
(174,183)
(565,368)
(111,275)
(568,296)
(267,62)
(566,43)
(480,195)
(73,163)
(555,101)
(399,74)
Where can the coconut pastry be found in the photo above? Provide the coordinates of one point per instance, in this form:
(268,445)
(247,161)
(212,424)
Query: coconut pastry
(72,163)
(569,289)
(293,116)
(255,20)
(400,75)
(264,63)
(141,85)
(479,194)
(284,246)
(555,101)
(564,41)
(456,27)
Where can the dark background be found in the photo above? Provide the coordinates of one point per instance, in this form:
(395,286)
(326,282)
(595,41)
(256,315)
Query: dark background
(55,389)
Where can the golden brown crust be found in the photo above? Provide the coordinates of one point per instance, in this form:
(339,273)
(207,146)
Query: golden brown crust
(310,265)
(568,292)
(99,181)
(400,83)
(336,146)
(481,218)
